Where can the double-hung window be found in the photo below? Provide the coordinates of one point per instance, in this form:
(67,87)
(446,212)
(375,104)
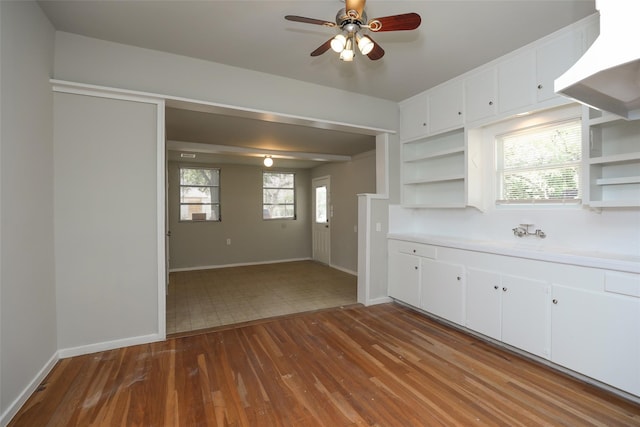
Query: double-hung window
(199,194)
(278,195)
(540,164)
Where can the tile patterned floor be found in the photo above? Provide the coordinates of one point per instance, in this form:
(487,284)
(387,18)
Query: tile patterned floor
(208,298)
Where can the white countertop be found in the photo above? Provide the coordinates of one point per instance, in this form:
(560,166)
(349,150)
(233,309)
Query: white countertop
(531,250)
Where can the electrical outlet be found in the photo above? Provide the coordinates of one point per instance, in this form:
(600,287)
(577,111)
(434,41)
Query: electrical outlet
(378,226)
(228,242)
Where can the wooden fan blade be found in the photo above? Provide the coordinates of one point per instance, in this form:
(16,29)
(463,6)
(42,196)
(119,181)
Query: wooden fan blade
(357,5)
(309,20)
(377,52)
(406,21)
(322,48)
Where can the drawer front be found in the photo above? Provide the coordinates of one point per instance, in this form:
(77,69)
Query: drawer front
(622,283)
(411,248)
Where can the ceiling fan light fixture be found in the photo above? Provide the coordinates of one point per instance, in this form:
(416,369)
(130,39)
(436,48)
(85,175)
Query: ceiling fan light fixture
(347,54)
(338,43)
(268,161)
(364,44)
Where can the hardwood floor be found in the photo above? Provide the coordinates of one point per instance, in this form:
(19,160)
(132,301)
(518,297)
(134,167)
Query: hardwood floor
(377,366)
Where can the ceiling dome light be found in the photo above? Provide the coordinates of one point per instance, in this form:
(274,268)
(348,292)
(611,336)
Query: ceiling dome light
(365,44)
(268,161)
(338,43)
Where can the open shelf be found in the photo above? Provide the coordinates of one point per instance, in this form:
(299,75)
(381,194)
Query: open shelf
(435,155)
(618,181)
(612,160)
(434,171)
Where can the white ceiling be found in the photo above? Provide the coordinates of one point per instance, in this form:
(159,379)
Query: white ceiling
(455,36)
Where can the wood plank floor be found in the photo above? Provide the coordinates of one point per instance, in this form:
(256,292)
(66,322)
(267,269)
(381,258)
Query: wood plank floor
(377,366)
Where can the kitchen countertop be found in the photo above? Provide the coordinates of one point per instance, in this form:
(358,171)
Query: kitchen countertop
(531,250)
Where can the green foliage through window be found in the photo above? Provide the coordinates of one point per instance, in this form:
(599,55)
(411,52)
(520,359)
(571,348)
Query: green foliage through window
(540,164)
(278,195)
(199,194)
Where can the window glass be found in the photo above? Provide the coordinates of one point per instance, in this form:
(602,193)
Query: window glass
(278,195)
(199,194)
(321,204)
(541,164)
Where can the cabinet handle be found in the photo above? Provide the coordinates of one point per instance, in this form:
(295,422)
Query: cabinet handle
(459,113)
(495,287)
(458,278)
(504,289)
(490,102)
(414,251)
(424,124)
(416,267)
(555,301)
(539,86)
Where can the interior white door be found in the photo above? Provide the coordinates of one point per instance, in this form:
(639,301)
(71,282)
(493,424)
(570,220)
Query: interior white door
(321,190)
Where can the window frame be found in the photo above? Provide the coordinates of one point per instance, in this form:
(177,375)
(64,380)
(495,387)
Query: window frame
(522,125)
(212,204)
(294,204)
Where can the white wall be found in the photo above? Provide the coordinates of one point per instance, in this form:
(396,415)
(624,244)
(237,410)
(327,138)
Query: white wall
(106,222)
(86,60)
(28,311)
(348,179)
(253,240)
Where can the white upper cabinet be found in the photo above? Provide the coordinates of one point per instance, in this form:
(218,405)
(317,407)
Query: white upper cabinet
(480,95)
(413,117)
(553,59)
(516,82)
(526,79)
(445,107)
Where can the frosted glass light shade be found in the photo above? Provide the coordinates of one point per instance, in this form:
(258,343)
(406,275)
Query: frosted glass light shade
(365,45)
(338,43)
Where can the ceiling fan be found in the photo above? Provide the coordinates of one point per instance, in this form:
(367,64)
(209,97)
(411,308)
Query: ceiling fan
(352,21)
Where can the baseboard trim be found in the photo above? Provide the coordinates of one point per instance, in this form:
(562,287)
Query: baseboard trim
(344,270)
(376,301)
(108,345)
(240,264)
(15,406)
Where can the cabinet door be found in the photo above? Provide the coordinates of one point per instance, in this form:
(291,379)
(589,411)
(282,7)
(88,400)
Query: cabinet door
(442,289)
(404,278)
(517,82)
(445,107)
(597,334)
(413,117)
(480,95)
(553,59)
(525,317)
(483,302)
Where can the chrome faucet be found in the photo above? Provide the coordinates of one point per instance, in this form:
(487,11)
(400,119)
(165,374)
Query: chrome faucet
(523,230)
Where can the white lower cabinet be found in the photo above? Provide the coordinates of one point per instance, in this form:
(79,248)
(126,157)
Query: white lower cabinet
(404,277)
(584,319)
(442,288)
(484,299)
(597,334)
(524,314)
(508,308)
